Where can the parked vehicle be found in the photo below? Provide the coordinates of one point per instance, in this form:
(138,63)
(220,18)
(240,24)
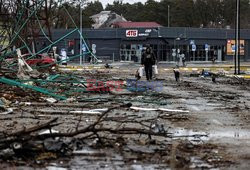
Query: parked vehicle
(39,60)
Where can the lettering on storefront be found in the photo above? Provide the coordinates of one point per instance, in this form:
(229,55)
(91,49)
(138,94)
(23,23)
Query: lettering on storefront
(131,33)
(143,34)
(135,33)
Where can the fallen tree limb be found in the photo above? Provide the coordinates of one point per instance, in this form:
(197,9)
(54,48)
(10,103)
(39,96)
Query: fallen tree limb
(33,129)
(78,105)
(24,134)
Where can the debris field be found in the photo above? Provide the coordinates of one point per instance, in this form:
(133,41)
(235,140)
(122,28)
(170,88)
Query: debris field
(99,119)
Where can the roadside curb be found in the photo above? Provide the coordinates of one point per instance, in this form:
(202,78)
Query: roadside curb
(213,69)
(240,76)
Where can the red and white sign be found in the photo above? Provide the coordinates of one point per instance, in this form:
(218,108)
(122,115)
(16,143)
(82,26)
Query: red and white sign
(131,33)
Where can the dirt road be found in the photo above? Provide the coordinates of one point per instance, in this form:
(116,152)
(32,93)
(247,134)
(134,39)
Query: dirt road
(193,124)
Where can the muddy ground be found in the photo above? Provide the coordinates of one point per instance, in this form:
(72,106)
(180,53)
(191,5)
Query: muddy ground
(203,125)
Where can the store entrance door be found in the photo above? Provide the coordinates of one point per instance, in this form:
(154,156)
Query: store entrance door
(219,55)
(131,52)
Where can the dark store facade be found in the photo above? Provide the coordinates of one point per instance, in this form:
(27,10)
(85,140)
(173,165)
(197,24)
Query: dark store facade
(122,44)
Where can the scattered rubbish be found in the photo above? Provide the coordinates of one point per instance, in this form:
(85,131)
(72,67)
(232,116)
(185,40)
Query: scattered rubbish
(7,153)
(41,90)
(107,66)
(140,149)
(99,110)
(213,78)
(51,100)
(54,145)
(88,121)
(143,109)
(55,168)
(89,152)
(49,131)
(49,111)
(85,112)
(8,111)
(205,73)
(159,109)
(190,135)
(4,102)
(172,110)
(67,98)
(198,163)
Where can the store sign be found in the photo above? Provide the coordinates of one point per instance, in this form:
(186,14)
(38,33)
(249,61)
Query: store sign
(193,47)
(143,34)
(84,49)
(207,47)
(231,47)
(131,33)
(192,42)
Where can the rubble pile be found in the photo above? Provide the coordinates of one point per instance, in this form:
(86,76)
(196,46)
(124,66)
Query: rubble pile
(75,113)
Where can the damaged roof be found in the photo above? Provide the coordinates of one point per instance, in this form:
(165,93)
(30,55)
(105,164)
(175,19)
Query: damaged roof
(136,25)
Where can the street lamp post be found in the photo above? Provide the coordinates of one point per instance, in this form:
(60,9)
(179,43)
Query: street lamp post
(238,8)
(81,53)
(168,16)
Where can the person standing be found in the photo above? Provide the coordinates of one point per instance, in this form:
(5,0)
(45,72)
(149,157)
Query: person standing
(148,60)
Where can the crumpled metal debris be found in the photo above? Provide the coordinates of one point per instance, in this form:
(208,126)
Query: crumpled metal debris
(54,145)
(4,104)
(7,153)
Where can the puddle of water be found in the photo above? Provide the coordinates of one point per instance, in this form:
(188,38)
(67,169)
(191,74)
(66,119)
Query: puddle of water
(190,135)
(196,136)
(55,168)
(214,104)
(195,108)
(198,163)
(236,134)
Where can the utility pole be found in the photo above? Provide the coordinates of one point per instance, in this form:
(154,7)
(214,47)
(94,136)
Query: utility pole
(168,16)
(81,53)
(238,9)
(237,39)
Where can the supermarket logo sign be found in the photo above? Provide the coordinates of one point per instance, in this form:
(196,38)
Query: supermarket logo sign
(133,85)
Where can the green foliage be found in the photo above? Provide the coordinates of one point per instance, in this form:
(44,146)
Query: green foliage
(61,19)
(92,8)
(185,13)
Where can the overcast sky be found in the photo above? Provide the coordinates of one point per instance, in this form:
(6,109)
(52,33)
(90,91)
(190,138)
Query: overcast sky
(105,2)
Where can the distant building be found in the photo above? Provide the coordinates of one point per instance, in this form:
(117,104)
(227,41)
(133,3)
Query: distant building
(126,44)
(106,19)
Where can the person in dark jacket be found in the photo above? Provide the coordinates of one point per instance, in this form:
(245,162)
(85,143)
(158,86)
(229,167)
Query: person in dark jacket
(148,60)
